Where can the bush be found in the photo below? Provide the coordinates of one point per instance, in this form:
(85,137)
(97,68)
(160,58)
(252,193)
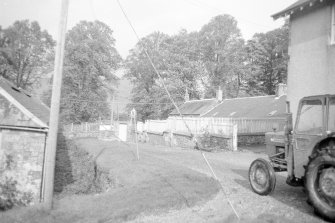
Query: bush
(211,143)
(10,196)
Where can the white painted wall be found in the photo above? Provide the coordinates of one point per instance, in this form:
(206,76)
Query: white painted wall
(311,69)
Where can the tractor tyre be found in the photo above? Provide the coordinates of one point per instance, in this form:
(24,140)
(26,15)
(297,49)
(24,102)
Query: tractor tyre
(320,183)
(262,177)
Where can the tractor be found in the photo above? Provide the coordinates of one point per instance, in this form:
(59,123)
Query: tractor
(306,151)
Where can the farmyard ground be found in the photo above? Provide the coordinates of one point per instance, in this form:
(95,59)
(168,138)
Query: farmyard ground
(172,185)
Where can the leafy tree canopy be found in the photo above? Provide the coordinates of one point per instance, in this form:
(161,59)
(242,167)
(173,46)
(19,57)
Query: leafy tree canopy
(267,60)
(198,61)
(26,53)
(89,65)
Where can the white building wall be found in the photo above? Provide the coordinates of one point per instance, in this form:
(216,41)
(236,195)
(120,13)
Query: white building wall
(311,69)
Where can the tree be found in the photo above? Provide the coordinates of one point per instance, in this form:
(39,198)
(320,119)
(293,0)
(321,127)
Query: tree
(222,52)
(26,53)
(143,76)
(198,61)
(89,65)
(178,62)
(267,60)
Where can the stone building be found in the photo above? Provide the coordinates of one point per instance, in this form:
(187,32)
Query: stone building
(23,131)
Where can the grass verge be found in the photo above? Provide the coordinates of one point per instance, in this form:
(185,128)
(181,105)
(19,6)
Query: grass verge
(149,186)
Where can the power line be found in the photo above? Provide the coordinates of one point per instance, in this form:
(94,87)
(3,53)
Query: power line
(168,93)
(116,102)
(201,5)
(152,64)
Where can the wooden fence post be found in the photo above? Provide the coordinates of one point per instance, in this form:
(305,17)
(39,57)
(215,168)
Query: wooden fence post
(234,138)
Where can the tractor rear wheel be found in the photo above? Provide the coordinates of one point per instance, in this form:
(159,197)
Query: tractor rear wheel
(262,177)
(320,183)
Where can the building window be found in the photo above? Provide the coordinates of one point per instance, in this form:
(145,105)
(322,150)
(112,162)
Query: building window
(332,32)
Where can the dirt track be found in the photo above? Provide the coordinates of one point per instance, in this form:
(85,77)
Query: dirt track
(286,204)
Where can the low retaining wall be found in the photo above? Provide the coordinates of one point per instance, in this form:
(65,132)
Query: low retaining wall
(104,134)
(251,139)
(179,139)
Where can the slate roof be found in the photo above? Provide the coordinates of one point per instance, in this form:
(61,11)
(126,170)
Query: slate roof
(196,107)
(36,107)
(250,107)
(298,6)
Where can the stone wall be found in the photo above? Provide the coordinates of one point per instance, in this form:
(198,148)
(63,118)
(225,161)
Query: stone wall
(154,138)
(179,139)
(22,157)
(183,140)
(251,139)
(214,142)
(95,134)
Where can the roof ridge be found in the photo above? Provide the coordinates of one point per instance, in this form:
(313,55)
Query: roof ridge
(206,99)
(263,96)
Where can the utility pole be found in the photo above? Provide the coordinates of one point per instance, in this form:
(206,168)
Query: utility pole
(50,151)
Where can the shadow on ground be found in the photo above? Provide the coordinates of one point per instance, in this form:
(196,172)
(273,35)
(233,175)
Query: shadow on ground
(63,168)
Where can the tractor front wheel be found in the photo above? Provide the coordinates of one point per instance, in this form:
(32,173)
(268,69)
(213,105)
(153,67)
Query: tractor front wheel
(320,184)
(262,177)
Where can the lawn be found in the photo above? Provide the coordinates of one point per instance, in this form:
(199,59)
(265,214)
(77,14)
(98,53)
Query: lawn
(147,186)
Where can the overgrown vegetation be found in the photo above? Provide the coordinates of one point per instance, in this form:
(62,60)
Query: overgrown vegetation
(10,195)
(209,142)
(77,172)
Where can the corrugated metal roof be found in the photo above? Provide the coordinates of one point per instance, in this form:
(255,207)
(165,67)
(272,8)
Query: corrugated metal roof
(296,7)
(36,107)
(250,107)
(196,107)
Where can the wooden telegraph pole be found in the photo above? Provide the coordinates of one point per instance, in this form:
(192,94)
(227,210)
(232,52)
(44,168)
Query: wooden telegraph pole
(50,156)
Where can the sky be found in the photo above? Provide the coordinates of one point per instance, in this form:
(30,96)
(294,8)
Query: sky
(147,16)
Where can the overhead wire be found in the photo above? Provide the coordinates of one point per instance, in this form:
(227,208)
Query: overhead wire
(175,105)
(201,5)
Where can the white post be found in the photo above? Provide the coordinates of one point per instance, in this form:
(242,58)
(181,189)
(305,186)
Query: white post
(133,116)
(234,138)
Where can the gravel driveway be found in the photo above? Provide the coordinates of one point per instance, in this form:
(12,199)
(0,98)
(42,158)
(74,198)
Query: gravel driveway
(286,204)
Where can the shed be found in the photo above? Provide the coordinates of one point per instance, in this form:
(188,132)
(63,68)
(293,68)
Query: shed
(252,115)
(23,132)
(250,107)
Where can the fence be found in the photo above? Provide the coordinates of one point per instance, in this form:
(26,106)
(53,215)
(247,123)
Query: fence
(194,125)
(221,126)
(258,125)
(96,129)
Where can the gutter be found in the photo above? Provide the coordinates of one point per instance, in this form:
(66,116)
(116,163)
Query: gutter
(45,130)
